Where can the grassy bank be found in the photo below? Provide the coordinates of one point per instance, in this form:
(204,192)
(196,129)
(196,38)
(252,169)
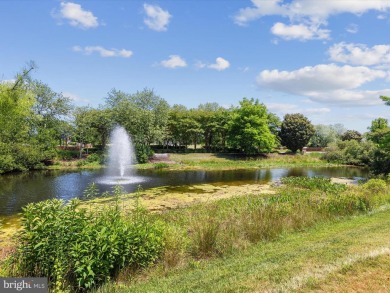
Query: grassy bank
(209,161)
(299,261)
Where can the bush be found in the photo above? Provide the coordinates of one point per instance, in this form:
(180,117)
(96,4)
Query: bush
(95,158)
(375,186)
(143,153)
(79,249)
(68,155)
(350,152)
(20,157)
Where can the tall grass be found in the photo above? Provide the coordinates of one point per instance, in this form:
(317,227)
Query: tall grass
(220,227)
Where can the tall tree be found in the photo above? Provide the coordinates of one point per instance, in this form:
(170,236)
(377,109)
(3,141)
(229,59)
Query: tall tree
(323,135)
(378,130)
(381,160)
(296,131)
(143,114)
(93,125)
(352,135)
(249,129)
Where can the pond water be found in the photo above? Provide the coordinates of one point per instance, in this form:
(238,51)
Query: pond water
(16,190)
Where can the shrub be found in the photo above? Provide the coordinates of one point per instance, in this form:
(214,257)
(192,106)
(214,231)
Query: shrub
(375,186)
(350,152)
(68,155)
(79,249)
(94,158)
(143,153)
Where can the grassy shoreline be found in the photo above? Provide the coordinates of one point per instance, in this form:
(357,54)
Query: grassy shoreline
(211,161)
(297,261)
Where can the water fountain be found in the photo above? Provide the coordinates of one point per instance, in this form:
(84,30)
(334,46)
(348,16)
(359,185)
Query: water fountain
(121,157)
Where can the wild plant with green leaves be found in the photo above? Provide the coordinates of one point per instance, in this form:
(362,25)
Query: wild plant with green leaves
(79,248)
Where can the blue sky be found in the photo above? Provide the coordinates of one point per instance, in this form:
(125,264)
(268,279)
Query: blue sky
(329,60)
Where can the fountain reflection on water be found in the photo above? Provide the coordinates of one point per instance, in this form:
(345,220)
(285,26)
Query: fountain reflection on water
(121,157)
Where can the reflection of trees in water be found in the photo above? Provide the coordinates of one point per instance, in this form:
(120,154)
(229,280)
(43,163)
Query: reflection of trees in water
(297,172)
(348,172)
(18,189)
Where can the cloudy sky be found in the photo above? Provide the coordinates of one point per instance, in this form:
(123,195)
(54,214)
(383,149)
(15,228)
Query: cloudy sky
(329,60)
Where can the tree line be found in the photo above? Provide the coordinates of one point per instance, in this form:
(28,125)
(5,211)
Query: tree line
(36,120)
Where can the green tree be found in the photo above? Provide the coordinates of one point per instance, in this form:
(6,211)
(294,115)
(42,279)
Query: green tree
(386,100)
(323,136)
(50,110)
(93,125)
(378,130)
(175,134)
(249,130)
(21,143)
(214,121)
(352,135)
(381,161)
(143,114)
(296,131)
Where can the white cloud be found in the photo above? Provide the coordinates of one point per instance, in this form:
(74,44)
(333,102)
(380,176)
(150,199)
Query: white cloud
(293,108)
(5,81)
(326,83)
(299,31)
(76,16)
(75,98)
(313,9)
(103,52)
(307,12)
(352,28)
(316,111)
(283,108)
(156,18)
(350,97)
(174,61)
(322,77)
(359,54)
(220,64)
(200,65)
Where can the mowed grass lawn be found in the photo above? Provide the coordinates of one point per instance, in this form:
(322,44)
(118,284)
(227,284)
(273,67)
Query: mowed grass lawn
(327,257)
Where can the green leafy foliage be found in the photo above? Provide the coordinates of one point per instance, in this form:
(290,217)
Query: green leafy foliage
(79,249)
(30,118)
(315,183)
(380,164)
(296,131)
(143,153)
(351,152)
(324,135)
(352,135)
(249,130)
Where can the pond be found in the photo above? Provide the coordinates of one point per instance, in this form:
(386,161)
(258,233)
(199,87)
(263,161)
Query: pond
(16,190)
